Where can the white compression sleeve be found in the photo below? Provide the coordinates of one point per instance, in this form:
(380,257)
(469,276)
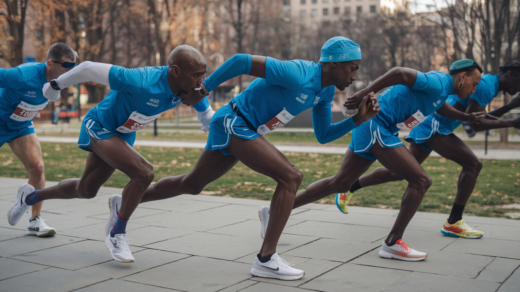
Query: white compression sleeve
(85,72)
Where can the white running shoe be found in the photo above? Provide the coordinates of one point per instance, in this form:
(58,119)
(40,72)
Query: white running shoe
(114,203)
(401,251)
(38,227)
(20,207)
(119,249)
(263,213)
(276,268)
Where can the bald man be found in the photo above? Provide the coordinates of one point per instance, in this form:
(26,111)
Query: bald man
(136,98)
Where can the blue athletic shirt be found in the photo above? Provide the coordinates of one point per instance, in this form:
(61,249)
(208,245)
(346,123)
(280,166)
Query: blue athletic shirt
(294,86)
(136,97)
(398,103)
(486,90)
(21,96)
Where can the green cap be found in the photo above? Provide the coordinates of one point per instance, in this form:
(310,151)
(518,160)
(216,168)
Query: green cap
(462,65)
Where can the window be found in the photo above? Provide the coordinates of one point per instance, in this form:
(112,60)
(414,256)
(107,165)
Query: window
(314,1)
(325,1)
(347,0)
(302,1)
(336,10)
(347,11)
(302,13)
(314,12)
(359,9)
(372,8)
(325,11)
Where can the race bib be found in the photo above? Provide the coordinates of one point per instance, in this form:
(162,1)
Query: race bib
(135,122)
(412,122)
(26,112)
(281,119)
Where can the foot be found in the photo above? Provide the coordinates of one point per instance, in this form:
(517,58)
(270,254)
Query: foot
(401,251)
(460,229)
(114,203)
(342,200)
(38,227)
(20,207)
(263,213)
(276,268)
(119,248)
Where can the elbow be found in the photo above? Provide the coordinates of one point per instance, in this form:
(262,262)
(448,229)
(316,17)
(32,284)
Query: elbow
(403,75)
(321,140)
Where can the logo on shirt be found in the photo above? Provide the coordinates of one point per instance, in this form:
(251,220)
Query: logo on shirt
(104,131)
(316,100)
(153,102)
(302,98)
(31,94)
(435,104)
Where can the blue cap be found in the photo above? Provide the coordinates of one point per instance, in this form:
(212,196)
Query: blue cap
(340,49)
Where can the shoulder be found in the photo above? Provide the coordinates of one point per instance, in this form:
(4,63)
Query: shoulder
(30,70)
(138,77)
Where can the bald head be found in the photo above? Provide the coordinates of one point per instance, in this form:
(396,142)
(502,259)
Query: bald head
(184,55)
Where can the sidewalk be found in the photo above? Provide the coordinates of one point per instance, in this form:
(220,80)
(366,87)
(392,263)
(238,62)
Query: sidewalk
(499,154)
(205,243)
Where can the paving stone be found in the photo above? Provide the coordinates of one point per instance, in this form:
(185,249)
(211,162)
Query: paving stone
(338,231)
(500,232)
(364,210)
(421,282)
(349,277)
(71,256)
(499,270)
(333,250)
(138,213)
(239,286)
(188,221)
(88,208)
(194,274)
(438,262)
(8,233)
(486,246)
(11,268)
(240,211)
(56,280)
(29,244)
(491,221)
(426,241)
(512,284)
(97,231)
(59,221)
(312,267)
(144,260)
(152,234)
(121,286)
(178,204)
(262,287)
(353,219)
(249,228)
(211,245)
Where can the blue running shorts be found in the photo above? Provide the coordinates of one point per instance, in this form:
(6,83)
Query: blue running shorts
(92,128)
(8,135)
(425,132)
(364,137)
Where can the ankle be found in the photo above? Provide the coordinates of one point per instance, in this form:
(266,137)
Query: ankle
(264,259)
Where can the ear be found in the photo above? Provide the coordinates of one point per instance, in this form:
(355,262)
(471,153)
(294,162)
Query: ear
(174,70)
(50,64)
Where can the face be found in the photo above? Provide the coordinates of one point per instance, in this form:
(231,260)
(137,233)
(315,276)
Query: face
(345,73)
(469,83)
(513,83)
(189,77)
(55,70)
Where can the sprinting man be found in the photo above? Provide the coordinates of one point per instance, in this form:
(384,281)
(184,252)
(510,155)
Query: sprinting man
(21,99)
(284,89)
(413,95)
(136,98)
(436,133)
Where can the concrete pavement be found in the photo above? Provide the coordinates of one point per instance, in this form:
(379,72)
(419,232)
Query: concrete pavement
(205,243)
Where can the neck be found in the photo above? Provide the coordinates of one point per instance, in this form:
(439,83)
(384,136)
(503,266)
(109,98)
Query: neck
(326,79)
(47,74)
(456,82)
(173,86)
(502,82)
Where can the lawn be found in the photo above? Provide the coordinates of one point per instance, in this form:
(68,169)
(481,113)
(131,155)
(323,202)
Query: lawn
(498,183)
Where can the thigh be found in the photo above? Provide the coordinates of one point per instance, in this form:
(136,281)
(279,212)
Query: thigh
(27,149)
(399,160)
(418,152)
(352,167)
(261,156)
(96,173)
(453,148)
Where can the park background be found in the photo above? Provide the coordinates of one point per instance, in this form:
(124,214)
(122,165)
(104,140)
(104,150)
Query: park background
(424,35)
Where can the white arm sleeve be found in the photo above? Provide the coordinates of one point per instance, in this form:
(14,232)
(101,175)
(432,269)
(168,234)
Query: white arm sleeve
(86,71)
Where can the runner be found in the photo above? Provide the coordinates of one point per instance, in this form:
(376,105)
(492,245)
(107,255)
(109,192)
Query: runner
(21,99)
(412,96)
(436,133)
(137,97)
(284,89)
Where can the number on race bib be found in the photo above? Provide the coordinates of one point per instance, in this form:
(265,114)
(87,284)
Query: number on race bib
(412,122)
(135,122)
(26,112)
(281,119)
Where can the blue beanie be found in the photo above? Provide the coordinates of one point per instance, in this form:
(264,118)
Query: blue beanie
(340,49)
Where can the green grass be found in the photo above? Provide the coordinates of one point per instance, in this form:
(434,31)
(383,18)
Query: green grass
(498,184)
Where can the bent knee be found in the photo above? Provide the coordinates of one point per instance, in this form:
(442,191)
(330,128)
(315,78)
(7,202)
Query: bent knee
(36,168)
(85,193)
(423,181)
(292,179)
(475,166)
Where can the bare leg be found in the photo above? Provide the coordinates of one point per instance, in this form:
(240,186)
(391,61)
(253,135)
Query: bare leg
(452,148)
(352,167)
(210,166)
(382,175)
(28,150)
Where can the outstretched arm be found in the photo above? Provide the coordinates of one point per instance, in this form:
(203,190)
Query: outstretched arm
(397,75)
(235,66)
(488,123)
(450,112)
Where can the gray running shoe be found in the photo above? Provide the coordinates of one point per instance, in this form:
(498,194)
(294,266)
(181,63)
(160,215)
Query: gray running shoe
(20,207)
(114,203)
(263,213)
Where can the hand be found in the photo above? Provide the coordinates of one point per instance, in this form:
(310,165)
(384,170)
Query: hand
(514,103)
(205,118)
(354,101)
(476,117)
(49,93)
(368,108)
(516,122)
